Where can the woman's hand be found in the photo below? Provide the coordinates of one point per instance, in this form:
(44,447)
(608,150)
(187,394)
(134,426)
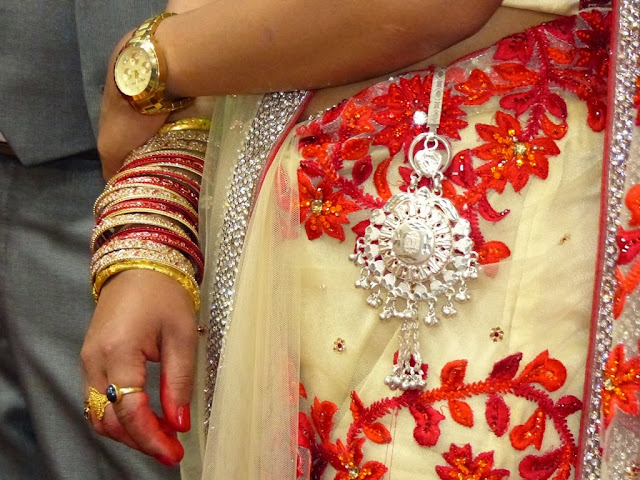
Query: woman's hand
(143,316)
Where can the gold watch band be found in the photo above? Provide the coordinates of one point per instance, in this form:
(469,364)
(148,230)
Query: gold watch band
(156,101)
(148,28)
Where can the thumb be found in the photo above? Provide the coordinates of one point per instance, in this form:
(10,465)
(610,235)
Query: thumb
(177,378)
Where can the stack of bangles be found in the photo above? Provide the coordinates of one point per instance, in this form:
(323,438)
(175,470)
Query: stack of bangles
(147,216)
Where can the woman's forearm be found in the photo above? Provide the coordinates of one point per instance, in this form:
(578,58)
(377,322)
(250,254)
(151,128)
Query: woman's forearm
(181,6)
(254,46)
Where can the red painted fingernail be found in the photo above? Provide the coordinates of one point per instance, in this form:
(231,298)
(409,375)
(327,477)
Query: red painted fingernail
(163,459)
(184,417)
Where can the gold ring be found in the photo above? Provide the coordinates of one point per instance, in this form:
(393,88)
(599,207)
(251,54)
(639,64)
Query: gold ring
(95,404)
(114,393)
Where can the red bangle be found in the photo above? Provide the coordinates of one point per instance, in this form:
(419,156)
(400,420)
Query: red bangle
(105,229)
(175,187)
(181,158)
(155,204)
(178,163)
(155,172)
(183,244)
(114,196)
(153,229)
(157,209)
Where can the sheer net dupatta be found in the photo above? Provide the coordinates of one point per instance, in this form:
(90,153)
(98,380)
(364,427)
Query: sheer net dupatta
(252,430)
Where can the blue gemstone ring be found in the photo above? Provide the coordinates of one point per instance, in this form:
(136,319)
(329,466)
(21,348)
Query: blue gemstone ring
(114,393)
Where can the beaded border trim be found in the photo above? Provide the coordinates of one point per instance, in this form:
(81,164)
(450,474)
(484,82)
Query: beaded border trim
(626,71)
(275,112)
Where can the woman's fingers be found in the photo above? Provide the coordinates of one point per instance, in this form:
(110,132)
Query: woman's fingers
(139,315)
(177,380)
(146,429)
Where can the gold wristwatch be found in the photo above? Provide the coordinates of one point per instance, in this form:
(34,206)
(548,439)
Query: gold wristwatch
(140,72)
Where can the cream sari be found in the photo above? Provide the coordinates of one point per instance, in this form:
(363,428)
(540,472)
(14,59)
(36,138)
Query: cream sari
(507,394)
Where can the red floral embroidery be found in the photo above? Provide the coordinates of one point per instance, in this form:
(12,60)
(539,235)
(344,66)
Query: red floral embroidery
(397,107)
(347,460)
(464,465)
(346,456)
(628,242)
(620,384)
(541,467)
(527,72)
(510,157)
(323,210)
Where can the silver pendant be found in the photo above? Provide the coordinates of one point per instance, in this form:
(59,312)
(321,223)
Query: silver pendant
(416,250)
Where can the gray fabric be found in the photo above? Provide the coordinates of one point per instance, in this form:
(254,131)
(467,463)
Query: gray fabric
(45,306)
(53,58)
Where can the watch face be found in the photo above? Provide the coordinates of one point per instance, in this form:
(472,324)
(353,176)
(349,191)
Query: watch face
(133,70)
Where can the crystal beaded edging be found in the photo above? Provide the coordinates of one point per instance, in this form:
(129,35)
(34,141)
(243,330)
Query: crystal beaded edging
(625,64)
(275,112)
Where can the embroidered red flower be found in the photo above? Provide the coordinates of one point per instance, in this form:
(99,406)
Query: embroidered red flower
(595,53)
(620,384)
(528,74)
(628,242)
(492,252)
(478,89)
(397,107)
(594,58)
(510,157)
(323,210)
(519,46)
(463,465)
(355,120)
(368,423)
(313,143)
(347,460)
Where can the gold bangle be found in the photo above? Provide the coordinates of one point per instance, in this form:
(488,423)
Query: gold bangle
(128,243)
(189,283)
(174,259)
(162,183)
(176,218)
(131,219)
(132,248)
(186,124)
(194,148)
(167,137)
(117,195)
